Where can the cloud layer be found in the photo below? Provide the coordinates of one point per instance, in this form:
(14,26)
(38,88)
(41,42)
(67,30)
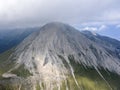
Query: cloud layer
(38,12)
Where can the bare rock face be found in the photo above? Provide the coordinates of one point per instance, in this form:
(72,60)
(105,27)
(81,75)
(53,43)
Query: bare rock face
(47,55)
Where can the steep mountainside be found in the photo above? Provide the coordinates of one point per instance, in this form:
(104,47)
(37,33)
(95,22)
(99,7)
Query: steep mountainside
(58,57)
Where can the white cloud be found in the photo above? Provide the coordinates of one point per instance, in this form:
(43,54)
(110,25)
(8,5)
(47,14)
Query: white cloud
(112,15)
(102,27)
(95,28)
(37,12)
(89,28)
(118,26)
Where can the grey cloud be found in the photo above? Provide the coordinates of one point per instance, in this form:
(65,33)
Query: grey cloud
(38,12)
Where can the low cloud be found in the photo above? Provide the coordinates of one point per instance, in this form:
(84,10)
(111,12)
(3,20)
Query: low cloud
(102,27)
(94,28)
(89,28)
(118,26)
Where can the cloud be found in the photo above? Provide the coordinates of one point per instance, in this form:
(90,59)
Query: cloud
(118,26)
(38,12)
(95,28)
(111,15)
(102,27)
(89,28)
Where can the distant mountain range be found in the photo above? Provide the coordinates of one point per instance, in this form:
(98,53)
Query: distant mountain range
(59,57)
(108,43)
(11,38)
(109,30)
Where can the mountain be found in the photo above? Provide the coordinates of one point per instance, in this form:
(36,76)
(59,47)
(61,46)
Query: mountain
(12,37)
(108,43)
(59,57)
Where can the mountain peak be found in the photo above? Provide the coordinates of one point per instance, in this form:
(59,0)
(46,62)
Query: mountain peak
(55,23)
(56,26)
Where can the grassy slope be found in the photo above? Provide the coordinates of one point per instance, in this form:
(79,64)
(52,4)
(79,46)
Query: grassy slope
(5,62)
(5,65)
(21,72)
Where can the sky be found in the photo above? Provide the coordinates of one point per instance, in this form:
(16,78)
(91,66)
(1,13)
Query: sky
(93,15)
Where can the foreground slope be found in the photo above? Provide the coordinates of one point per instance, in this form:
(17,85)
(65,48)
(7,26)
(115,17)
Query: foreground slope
(58,57)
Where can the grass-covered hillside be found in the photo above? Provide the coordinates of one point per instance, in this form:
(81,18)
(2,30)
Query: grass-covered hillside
(6,62)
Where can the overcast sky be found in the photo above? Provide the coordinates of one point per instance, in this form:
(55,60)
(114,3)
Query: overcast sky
(36,12)
(24,13)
